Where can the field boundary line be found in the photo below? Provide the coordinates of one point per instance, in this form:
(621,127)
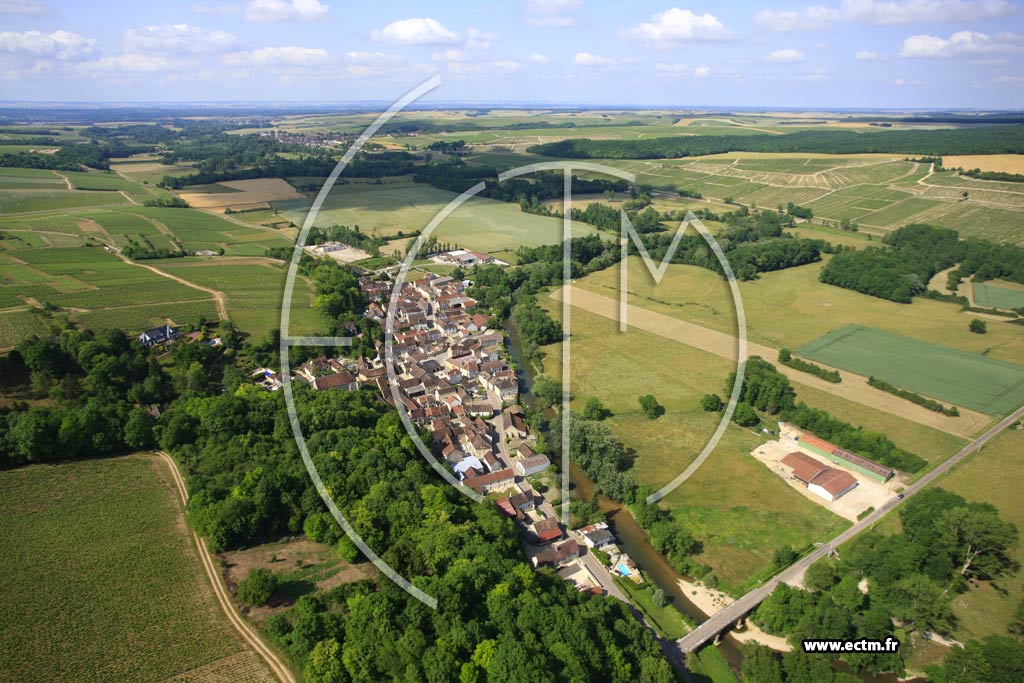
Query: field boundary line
(277,667)
(218,296)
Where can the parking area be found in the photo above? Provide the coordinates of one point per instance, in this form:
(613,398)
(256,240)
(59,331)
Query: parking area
(867,494)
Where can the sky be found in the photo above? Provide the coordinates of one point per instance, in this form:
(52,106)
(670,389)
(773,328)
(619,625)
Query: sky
(910,54)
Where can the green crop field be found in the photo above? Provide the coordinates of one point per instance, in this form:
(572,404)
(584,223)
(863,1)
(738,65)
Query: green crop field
(102,581)
(482,224)
(21,201)
(996,296)
(966,379)
(253,294)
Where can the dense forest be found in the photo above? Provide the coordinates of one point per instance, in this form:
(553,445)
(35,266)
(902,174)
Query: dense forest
(457,176)
(975,140)
(901,584)
(917,252)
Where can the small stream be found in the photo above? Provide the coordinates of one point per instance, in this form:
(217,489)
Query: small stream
(633,539)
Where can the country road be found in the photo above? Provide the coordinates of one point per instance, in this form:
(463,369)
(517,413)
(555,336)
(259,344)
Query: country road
(237,622)
(737,610)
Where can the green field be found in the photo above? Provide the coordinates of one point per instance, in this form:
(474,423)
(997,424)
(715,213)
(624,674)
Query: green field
(22,201)
(996,296)
(966,379)
(253,292)
(102,581)
(482,224)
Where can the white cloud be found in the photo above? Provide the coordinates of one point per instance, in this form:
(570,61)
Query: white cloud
(499,67)
(216,10)
(702,72)
(538,58)
(177,38)
(677,70)
(279,56)
(31,7)
(478,40)
(367,57)
(786,56)
(285,10)
(675,26)
(813,18)
(899,82)
(415,31)
(869,56)
(550,13)
(56,45)
(887,12)
(959,44)
(451,55)
(590,59)
(134,63)
(816,75)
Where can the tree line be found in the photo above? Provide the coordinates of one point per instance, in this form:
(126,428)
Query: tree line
(1003,139)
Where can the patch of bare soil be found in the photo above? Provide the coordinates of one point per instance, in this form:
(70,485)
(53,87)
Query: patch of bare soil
(302,566)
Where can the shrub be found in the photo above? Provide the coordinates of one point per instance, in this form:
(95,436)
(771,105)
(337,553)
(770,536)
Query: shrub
(257,588)
(652,409)
(978,326)
(711,403)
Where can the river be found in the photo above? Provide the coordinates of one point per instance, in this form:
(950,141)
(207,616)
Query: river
(633,539)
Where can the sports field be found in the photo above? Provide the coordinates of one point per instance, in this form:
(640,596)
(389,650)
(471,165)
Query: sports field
(102,582)
(992,295)
(965,379)
(482,224)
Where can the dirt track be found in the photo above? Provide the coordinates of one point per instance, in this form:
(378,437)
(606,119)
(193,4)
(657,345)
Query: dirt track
(853,387)
(279,668)
(218,296)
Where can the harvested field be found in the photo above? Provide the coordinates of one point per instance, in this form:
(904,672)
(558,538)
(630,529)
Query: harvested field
(242,194)
(964,379)
(1005,163)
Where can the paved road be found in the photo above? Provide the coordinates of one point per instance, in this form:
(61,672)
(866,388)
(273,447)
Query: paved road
(731,614)
(603,576)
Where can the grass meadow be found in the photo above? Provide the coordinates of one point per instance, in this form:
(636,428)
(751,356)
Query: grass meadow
(967,379)
(103,582)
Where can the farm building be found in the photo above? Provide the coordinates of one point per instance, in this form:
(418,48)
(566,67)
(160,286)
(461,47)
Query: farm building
(158,335)
(820,479)
(531,465)
(845,458)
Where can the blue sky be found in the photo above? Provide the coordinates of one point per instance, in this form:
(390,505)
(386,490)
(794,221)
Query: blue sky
(836,53)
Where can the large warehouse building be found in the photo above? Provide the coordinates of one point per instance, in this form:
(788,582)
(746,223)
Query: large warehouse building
(820,479)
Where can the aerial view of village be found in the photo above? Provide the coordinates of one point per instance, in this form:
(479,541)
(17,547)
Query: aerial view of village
(520,342)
